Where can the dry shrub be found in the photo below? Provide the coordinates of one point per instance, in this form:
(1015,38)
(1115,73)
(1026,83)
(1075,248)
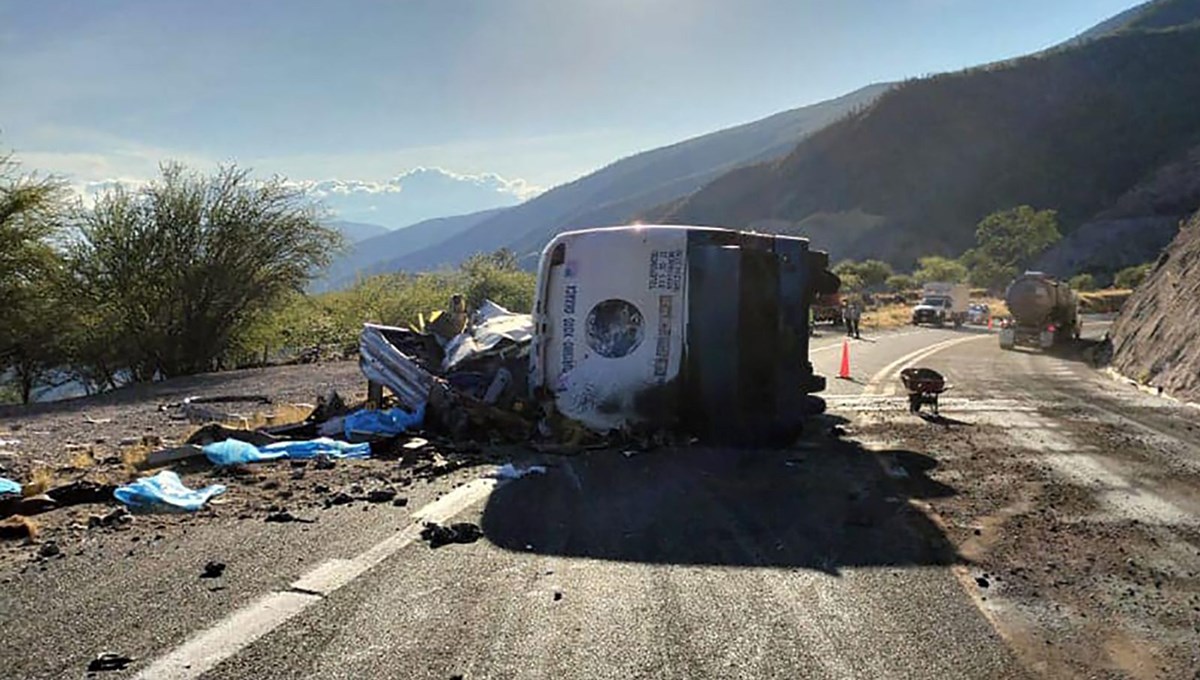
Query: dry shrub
(134,457)
(887,316)
(41,480)
(82,460)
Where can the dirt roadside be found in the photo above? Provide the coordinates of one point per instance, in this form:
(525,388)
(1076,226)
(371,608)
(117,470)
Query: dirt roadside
(1078,529)
(94,440)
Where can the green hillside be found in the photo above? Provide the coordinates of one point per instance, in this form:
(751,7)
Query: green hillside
(1073,129)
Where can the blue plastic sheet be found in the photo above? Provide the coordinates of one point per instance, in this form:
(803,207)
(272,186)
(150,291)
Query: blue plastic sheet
(236,452)
(165,491)
(9,486)
(322,446)
(382,423)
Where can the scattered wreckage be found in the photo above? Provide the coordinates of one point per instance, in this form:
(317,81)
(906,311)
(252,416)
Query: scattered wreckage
(636,331)
(644,333)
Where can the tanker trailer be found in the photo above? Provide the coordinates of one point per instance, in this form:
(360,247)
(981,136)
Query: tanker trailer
(1044,310)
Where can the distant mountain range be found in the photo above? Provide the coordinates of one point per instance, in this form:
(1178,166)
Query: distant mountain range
(1102,129)
(354,232)
(378,254)
(612,195)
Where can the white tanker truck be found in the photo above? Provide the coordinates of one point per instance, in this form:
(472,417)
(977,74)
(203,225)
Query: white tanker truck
(1045,312)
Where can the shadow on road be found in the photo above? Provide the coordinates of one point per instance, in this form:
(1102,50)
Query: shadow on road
(823,506)
(939,419)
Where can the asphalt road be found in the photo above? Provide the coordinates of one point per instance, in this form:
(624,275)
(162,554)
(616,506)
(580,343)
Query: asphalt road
(810,562)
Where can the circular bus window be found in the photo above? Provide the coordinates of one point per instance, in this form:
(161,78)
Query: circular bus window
(614,328)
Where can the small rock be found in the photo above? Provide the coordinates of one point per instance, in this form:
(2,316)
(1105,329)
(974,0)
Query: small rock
(49,549)
(109,661)
(213,569)
(557,596)
(356,489)
(323,462)
(320,488)
(978,532)
(129,441)
(400,502)
(460,532)
(341,498)
(284,516)
(981,582)
(298,463)
(270,484)
(298,474)
(381,495)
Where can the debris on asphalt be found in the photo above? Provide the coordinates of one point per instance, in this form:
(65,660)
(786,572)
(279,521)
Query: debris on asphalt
(174,454)
(381,495)
(81,492)
(283,516)
(18,527)
(459,532)
(165,491)
(213,569)
(216,432)
(340,498)
(367,424)
(510,471)
(27,506)
(109,661)
(116,517)
(236,452)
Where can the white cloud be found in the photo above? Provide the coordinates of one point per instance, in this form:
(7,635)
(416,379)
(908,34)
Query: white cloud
(418,194)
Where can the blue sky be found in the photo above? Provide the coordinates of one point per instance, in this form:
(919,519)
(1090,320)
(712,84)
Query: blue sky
(533,92)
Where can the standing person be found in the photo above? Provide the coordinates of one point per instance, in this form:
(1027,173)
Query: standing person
(854,312)
(846,317)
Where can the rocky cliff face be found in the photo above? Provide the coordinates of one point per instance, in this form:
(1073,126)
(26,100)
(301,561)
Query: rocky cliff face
(1156,339)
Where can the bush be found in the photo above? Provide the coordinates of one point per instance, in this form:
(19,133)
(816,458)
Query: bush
(175,273)
(1132,277)
(1082,282)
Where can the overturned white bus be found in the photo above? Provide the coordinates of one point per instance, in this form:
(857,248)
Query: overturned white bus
(694,328)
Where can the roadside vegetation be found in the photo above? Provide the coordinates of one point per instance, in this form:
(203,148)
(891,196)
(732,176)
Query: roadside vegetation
(190,273)
(193,273)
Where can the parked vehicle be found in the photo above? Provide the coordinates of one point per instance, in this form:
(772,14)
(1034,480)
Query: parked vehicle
(978,314)
(827,308)
(1045,312)
(942,303)
(668,326)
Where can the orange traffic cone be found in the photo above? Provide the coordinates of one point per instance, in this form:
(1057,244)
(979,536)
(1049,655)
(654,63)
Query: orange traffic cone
(844,373)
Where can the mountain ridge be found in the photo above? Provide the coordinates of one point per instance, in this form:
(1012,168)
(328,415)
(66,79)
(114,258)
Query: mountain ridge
(933,156)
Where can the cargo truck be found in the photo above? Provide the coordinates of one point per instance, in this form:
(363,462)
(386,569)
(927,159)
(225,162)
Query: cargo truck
(1045,312)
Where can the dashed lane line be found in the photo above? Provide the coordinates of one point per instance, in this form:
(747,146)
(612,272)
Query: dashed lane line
(204,650)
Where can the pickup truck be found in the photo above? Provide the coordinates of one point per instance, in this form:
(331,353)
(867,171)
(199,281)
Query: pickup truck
(942,303)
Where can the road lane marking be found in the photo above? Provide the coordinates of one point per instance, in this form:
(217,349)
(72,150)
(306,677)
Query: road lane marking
(874,384)
(225,638)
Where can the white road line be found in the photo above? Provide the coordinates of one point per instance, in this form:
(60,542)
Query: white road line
(875,383)
(203,651)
